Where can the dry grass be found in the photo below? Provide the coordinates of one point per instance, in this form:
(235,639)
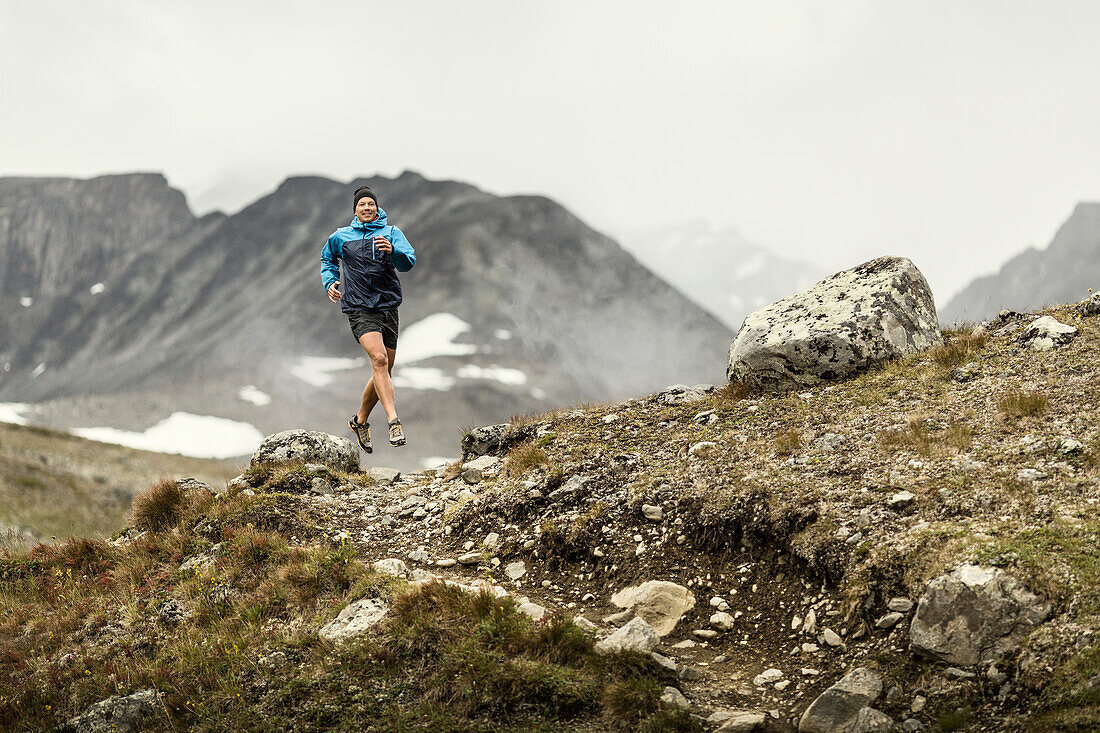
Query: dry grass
(1020,403)
(960,349)
(914,436)
(523,458)
(787,442)
(731,393)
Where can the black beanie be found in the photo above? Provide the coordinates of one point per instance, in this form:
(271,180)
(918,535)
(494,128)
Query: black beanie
(364,192)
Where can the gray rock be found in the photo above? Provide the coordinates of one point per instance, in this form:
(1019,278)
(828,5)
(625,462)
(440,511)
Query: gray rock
(845,324)
(391,566)
(679,394)
(870,720)
(495,439)
(1090,306)
(651,512)
(480,468)
(118,714)
(911,725)
(308,446)
(959,674)
(768,676)
(202,561)
(901,605)
(706,417)
(667,666)
(419,556)
(974,614)
(832,638)
(837,709)
(356,619)
(172,612)
(889,620)
(675,698)
(636,636)
(470,558)
(739,721)
(383,475)
(319,486)
(1045,333)
(533,610)
(830,441)
(722,621)
(515,570)
(901,500)
(661,603)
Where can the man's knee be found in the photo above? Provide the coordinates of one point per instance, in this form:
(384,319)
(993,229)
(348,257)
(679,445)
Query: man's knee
(378,360)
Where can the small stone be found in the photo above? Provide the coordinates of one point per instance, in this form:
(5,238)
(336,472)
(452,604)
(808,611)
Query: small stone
(901,605)
(515,570)
(675,698)
(722,621)
(703,449)
(768,676)
(392,566)
(889,620)
(608,419)
(808,648)
(1069,446)
(685,644)
(739,721)
(491,541)
(902,500)
(419,556)
(832,638)
(448,562)
(667,665)
(869,720)
(320,486)
(651,512)
(705,633)
(383,475)
(636,636)
(584,624)
(470,558)
(809,672)
(911,725)
(782,685)
(918,704)
(533,610)
(959,674)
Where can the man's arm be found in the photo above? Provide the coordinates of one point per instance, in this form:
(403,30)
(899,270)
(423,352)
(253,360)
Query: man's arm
(403,257)
(330,262)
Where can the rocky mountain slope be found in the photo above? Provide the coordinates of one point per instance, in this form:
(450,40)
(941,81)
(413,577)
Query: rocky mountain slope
(1066,271)
(120,307)
(812,549)
(720,270)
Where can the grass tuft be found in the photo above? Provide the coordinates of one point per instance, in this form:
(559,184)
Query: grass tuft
(960,349)
(1020,403)
(523,458)
(159,507)
(787,442)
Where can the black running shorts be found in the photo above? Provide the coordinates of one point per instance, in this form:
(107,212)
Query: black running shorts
(378,321)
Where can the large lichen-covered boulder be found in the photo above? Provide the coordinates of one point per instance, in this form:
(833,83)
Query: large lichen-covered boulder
(308,446)
(117,714)
(845,324)
(974,614)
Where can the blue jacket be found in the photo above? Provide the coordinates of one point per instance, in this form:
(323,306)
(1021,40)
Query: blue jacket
(370,277)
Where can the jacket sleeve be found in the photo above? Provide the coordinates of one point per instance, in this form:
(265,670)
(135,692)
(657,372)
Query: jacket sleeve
(403,257)
(330,261)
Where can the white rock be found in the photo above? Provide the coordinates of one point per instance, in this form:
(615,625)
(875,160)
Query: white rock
(722,621)
(661,603)
(674,697)
(355,619)
(704,449)
(832,638)
(636,636)
(534,610)
(768,676)
(652,512)
(515,570)
(392,566)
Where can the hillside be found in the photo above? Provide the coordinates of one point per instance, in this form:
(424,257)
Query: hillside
(811,517)
(57,485)
(120,307)
(1063,272)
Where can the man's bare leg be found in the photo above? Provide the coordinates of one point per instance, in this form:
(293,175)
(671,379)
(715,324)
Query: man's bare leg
(380,386)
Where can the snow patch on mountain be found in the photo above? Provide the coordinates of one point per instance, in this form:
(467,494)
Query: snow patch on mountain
(422,378)
(12,412)
(317,370)
(434,336)
(197,436)
(504,375)
(249,393)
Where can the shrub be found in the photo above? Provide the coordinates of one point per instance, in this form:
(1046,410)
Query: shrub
(730,393)
(159,507)
(1018,403)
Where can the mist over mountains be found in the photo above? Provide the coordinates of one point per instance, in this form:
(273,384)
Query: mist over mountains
(122,308)
(1063,272)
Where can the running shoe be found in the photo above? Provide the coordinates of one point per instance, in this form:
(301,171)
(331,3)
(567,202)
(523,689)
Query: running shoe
(362,433)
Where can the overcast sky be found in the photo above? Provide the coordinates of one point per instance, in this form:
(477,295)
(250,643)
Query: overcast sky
(954,133)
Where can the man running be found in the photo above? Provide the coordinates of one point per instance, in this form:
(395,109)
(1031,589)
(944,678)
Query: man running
(372,252)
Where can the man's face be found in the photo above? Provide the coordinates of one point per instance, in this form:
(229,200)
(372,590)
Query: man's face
(366,210)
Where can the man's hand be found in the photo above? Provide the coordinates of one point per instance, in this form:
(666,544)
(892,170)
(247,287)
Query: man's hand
(334,292)
(383,245)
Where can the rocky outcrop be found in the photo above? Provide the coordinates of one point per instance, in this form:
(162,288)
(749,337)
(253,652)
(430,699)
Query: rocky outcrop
(661,603)
(837,710)
(115,714)
(974,614)
(1047,332)
(1090,306)
(308,446)
(845,324)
